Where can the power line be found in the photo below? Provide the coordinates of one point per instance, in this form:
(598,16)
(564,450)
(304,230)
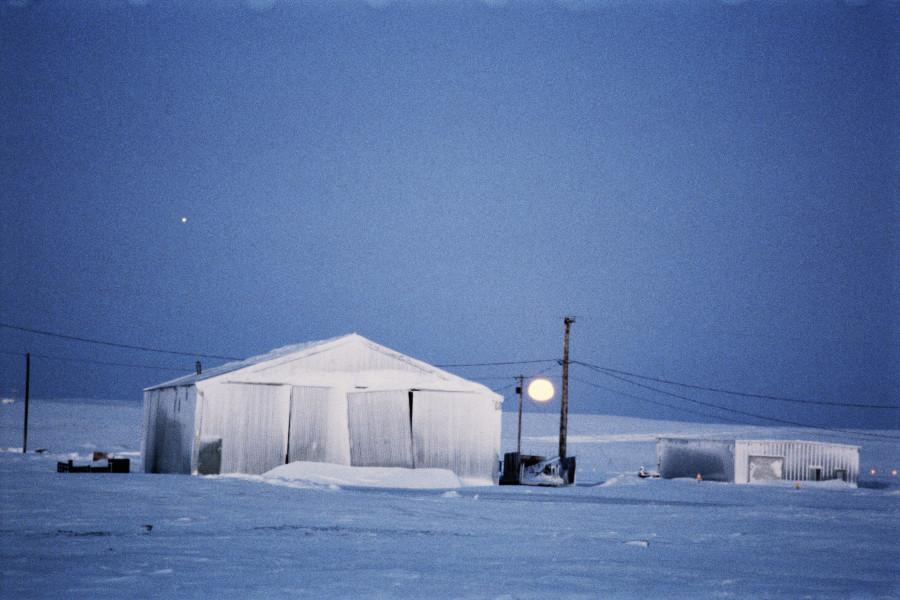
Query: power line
(113,344)
(741,412)
(497,364)
(658,403)
(734,393)
(516,379)
(97,362)
(826,431)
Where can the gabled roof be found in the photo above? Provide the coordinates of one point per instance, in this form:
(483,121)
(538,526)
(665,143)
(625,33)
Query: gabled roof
(297,352)
(241,364)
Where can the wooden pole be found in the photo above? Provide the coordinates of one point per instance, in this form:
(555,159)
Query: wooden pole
(27,384)
(564,409)
(519,444)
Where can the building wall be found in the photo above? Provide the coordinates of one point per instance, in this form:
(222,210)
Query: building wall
(318,425)
(346,358)
(380,429)
(748,461)
(460,432)
(799,459)
(255,427)
(711,459)
(252,422)
(168,440)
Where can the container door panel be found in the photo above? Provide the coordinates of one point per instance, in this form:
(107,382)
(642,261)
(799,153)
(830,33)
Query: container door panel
(380,429)
(318,431)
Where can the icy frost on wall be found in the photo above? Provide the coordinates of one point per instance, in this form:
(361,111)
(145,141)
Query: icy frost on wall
(798,460)
(749,461)
(711,459)
(380,429)
(251,421)
(168,429)
(345,401)
(319,428)
(457,432)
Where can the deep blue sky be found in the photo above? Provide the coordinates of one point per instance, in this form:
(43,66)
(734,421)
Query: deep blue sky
(710,188)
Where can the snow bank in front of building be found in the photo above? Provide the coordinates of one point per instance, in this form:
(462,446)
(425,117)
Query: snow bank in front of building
(326,474)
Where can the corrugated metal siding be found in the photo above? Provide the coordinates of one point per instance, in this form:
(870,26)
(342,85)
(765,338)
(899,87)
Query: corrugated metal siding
(319,429)
(457,432)
(800,459)
(344,358)
(251,420)
(711,459)
(380,434)
(168,430)
(148,438)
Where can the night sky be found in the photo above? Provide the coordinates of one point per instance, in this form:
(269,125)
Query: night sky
(711,189)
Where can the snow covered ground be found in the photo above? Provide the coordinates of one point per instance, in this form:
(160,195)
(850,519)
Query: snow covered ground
(309,531)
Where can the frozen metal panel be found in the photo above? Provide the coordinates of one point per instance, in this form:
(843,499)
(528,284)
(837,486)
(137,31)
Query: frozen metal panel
(355,358)
(711,459)
(763,468)
(168,439)
(380,427)
(148,439)
(802,459)
(251,421)
(319,430)
(456,431)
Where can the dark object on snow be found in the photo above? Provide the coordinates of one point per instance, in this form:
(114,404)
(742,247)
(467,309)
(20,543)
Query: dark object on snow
(526,469)
(644,474)
(113,465)
(119,465)
(209,457)
(68,467)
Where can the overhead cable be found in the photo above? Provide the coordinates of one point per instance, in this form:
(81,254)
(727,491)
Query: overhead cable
(516,379)
(497,364)
(96,362)
(658,403)
(741,412)
(734,393)
(825,432)
(115,345)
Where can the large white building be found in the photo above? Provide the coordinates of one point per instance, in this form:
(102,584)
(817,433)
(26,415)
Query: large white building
(752,461)
(347,401)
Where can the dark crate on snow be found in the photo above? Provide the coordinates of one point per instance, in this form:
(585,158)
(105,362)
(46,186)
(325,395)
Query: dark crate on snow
(113,465)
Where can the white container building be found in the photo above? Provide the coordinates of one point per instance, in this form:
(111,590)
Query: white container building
(347,401)
(753,461)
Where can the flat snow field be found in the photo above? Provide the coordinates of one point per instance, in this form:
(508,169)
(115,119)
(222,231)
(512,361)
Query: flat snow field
(306,531)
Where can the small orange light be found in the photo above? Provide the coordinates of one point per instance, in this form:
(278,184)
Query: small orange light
(894,472)
(872,471)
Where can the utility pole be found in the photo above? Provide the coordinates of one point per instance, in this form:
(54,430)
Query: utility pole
(27,382)
(564,410)
(519,389)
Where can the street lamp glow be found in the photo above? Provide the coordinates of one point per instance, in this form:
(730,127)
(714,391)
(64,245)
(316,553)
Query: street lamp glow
(540,390)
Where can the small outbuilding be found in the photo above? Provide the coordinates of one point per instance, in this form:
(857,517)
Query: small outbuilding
(346,400)
(754,461)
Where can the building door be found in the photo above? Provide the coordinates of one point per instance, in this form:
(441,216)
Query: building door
(317,430)
(380,429)
(209,456)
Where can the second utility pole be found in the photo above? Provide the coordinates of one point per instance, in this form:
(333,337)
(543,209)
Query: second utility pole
(564,410)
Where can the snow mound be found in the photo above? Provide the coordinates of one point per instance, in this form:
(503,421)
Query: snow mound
(626,479)
(315,473)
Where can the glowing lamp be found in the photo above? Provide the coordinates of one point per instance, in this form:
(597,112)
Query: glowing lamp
(540,390)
